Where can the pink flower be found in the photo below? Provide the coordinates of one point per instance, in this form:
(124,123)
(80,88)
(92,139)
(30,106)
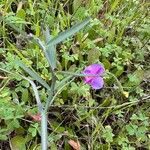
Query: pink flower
(95,81)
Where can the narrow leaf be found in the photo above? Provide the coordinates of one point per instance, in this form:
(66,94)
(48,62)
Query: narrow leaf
(47,35)
(33,74)
(50,50)
(69,32)
(61,83)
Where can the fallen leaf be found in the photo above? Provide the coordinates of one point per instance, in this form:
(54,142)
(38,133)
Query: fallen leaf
(75,145)
(36,117)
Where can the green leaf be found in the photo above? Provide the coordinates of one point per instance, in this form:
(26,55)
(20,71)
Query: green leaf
(21,14)
(33,74)
(33,129)
(69,32)
(50,50)
(25,95)
(131,129)
(107,134)
(13,124)
(51,42)
(18,143)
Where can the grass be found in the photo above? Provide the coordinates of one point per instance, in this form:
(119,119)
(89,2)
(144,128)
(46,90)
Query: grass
(115,117)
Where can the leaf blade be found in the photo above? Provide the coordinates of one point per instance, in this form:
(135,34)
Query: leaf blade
(50,50)
(69,32)
(33,74)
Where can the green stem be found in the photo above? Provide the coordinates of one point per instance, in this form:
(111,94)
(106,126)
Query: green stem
(77,74)
(44,133)
(44,139)
(50,96)
(53,83)
(51,93)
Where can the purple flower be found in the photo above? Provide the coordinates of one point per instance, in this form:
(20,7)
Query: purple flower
(95,81)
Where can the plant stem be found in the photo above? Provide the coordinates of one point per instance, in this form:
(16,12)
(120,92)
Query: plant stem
(44,138)
(77,74)
(50,97)
(51,92)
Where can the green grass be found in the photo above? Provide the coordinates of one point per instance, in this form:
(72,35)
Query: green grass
(106,119)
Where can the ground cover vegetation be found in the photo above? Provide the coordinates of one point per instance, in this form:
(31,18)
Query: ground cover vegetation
(116,116)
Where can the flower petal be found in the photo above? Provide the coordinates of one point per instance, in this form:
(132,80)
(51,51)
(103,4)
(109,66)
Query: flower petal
(97,83)
(88,79)
(101,69)
(96,69)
